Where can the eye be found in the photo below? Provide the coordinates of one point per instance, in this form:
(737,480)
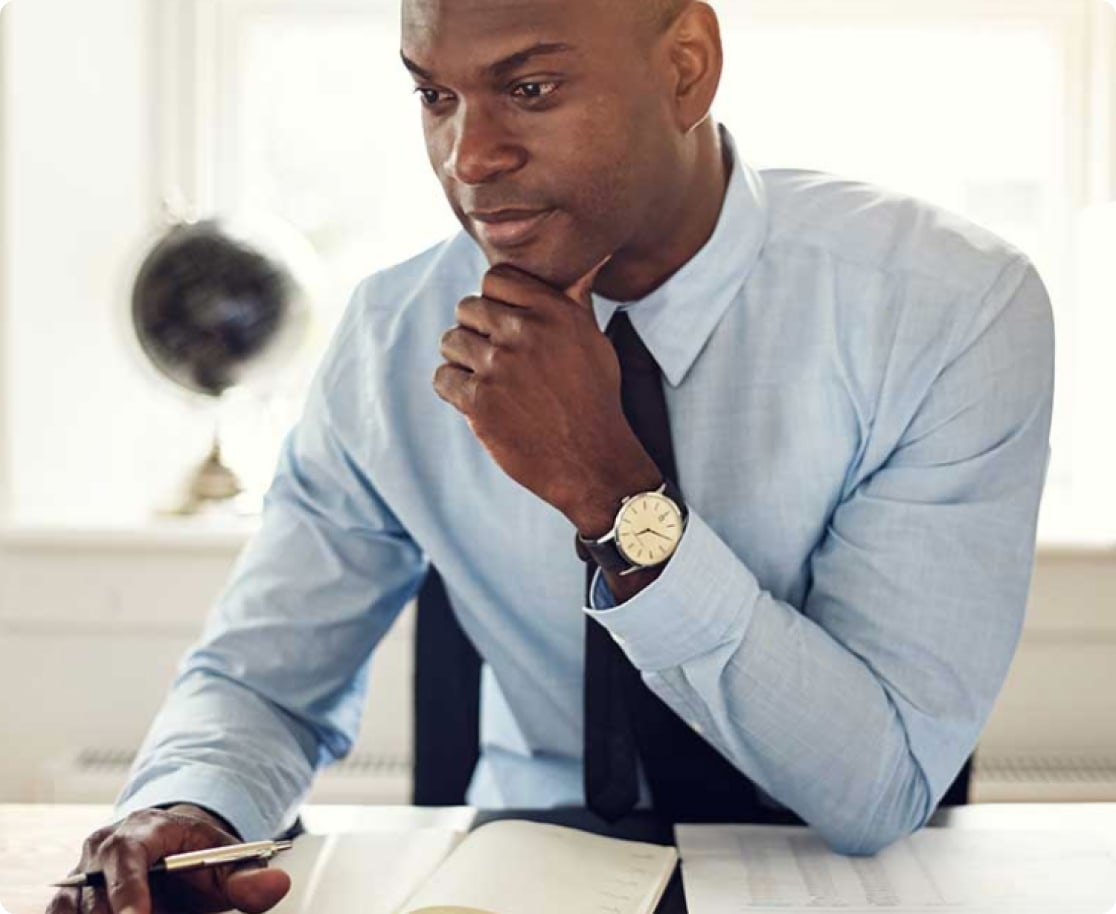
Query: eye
(534,91)
(430,97)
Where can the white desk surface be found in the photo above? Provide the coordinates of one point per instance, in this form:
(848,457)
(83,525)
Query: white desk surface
(1096,817)
(39,843)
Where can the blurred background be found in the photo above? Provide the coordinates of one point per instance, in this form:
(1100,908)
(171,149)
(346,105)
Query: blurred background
(119,117)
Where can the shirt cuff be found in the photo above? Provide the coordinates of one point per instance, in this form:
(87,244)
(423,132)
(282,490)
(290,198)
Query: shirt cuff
(704,593)
(221,793)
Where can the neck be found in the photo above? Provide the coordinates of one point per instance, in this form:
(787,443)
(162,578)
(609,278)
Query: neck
(681,229)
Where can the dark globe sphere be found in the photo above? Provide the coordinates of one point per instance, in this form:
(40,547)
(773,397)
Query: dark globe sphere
(206,306)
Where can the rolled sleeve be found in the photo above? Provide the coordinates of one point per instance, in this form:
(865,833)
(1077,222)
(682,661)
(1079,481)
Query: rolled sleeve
(857,708)
(274,690)
(207,786)
(704,594)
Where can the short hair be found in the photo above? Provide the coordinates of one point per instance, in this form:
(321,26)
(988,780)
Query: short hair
(660,14)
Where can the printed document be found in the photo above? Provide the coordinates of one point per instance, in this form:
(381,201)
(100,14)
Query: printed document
(736,869)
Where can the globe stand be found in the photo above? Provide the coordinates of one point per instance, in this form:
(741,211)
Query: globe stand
(213,484)
(214,306)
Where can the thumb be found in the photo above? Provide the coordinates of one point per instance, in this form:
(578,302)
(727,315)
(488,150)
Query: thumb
(256,890)
(582,290)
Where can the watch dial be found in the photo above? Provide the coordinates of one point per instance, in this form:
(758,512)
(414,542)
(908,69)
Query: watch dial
(649,529)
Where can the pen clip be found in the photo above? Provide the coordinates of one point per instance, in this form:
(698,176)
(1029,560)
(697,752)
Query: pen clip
(219,856)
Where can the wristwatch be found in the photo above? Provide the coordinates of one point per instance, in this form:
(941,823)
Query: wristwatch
(646,532)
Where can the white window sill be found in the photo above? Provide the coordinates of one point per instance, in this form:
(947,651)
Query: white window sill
(229,534)
(188,534)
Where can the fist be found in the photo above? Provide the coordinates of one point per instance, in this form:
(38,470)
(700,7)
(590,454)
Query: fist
(539,384)
(124,852)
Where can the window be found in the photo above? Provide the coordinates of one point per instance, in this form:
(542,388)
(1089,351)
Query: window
(998,109)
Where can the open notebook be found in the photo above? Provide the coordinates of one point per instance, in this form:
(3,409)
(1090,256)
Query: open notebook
(503,867)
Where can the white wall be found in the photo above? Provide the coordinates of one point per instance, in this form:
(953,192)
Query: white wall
(91,627)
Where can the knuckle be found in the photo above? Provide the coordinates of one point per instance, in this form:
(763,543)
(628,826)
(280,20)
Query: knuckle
(512,328)
(117,845)
(90,845)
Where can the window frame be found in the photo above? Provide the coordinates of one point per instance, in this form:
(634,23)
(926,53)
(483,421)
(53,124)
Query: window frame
(201,38)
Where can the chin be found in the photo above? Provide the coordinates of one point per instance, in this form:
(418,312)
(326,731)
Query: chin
(536,266)
(556,255)
(557,270)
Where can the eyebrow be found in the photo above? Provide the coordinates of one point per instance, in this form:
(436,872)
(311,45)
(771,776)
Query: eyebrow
(506,64)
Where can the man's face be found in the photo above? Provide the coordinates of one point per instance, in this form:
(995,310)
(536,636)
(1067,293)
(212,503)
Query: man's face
(547,124)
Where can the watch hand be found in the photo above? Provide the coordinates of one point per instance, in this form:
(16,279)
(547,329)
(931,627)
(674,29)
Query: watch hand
(656,533)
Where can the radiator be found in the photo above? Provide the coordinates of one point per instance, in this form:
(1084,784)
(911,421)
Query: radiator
(96,775)
(89,775)
(1044,778)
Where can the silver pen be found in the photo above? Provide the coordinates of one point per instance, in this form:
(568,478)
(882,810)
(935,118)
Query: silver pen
(193,860)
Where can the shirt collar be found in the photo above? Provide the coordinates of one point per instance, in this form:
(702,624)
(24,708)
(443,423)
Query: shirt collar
(677,319)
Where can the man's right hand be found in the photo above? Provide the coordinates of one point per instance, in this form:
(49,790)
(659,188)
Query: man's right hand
(125,850)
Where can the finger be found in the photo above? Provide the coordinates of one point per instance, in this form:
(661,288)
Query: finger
(246,888)
(125,864)
(145,836)
(256,890)
(501,323)
(94,901)
(90,846)
(518,289)
(69,901)
(467,348)
(582,290)
(456,386)
(65,901)
(510,285)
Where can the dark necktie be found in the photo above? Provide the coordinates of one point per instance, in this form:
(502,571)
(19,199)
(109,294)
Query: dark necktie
(624,720)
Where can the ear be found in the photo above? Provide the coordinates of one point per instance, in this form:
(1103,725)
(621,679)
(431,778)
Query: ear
(696,58)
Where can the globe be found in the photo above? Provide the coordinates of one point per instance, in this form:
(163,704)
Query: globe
(214,307)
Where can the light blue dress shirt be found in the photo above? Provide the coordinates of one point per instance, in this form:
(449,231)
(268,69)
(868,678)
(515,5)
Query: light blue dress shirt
(860,390)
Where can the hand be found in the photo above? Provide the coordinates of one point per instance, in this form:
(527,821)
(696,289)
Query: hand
(539,384)
(124,852)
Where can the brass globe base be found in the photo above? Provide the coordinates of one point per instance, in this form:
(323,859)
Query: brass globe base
(213,485)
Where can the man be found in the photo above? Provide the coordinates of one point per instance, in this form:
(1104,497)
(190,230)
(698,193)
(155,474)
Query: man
(827,600)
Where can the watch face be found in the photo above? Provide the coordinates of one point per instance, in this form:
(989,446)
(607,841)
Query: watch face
(649,529)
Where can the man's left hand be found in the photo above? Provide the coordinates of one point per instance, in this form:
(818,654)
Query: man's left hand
(539,384)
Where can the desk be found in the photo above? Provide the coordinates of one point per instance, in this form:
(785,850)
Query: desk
(41,843)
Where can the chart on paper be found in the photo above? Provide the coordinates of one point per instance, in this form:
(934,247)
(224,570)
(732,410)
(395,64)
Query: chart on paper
(738,869)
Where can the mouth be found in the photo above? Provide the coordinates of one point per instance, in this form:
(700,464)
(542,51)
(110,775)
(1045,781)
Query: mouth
(508,228)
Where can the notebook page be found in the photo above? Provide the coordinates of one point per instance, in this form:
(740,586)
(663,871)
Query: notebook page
(735,869)
(360,872)
(512,867)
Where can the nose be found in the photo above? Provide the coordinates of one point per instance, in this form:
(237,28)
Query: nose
(481,149)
